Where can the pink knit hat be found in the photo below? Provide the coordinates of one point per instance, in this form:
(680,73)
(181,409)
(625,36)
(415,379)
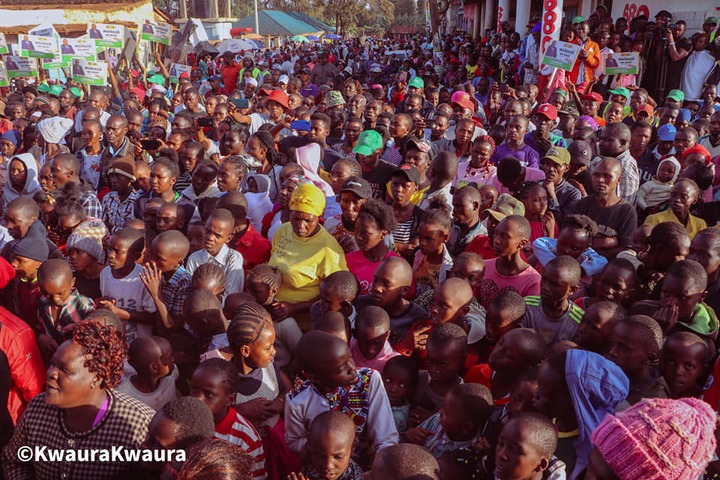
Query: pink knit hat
(658,439)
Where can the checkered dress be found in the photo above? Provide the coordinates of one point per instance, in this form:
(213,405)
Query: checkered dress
(125,424)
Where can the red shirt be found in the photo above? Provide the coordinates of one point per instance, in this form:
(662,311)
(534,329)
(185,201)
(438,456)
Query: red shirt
(230,76)
(254,248)
(482,246)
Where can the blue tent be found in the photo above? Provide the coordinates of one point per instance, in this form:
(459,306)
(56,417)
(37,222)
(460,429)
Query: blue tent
(275,23)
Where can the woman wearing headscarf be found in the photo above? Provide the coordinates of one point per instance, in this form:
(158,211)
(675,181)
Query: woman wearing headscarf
(52,131)
(305,253)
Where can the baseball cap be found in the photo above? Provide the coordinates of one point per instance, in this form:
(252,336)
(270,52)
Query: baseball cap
(280,97)
(666,133)
(537,28)
(368,142)
(578,19)
(55,90)
(569,109)
(334,99)
(76,91)
(251,81)
(284,79)
(580,152)
(548,110)
(711,20)
(645,108)
(506,205)
(620,91)
(157,79)
(462,99)
(216,78)
(358,186)
(593,96)
(684,115)
(417,144)
(408,171)
(664,14)
(185,75)
(416,82)
(558,155)
(677,95)
(43,87)
(375,68)
(305,70)
(562,92)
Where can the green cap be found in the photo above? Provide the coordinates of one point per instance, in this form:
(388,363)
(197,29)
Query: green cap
(157,79)
(416,82)
(43,87)
(56,90)
(76,91)
(620,91)
(561,92)
(677,95)
(578,19)
(150,73)
(558,155)
(711,20)
(368,142)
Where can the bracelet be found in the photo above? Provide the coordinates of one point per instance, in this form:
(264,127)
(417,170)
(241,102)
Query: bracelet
(671,43)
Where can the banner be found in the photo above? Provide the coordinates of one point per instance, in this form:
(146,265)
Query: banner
(4,79)
(551,23)
(71,48)
(177,69)
(3,45)
(21,67)
(36,46)
(106,36)
(621,63)
(155,32)
(561,55)
(89,73)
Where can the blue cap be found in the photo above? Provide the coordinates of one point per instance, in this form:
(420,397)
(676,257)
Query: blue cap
(666,133)
(684,115)
(537,28)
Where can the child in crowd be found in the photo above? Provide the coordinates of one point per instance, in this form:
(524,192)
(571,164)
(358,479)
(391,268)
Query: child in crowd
(122,287)
(209,276)
(195,235)
(432,260)
(119,204)
(391,283)
(462,419)
(372,227)
(400,376)
(205,317)
(331,436)
(551,313)
(635,347)
(522,394)
(445,354)
(154,382)
(26,257)
(338,291)
(509,269)
(517,351)
(705,249)
(596,326)
(684,364)
(215,382)
(370,347)
(61,307)
(165,278)
(504,314)
(336,324)
(443,169)
(654,195)
(358,393)
(534,196)
(616,283)
(263,283)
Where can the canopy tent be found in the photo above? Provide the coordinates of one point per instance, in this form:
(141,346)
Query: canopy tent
(333,36)
(299,38)
(235,45)
(275,23)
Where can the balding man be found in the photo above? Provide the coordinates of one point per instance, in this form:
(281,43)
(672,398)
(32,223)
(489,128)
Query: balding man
(118,144)
(616,218)
(615,142)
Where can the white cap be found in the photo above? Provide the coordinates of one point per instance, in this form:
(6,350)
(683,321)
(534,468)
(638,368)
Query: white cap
(284,79)
(251,81)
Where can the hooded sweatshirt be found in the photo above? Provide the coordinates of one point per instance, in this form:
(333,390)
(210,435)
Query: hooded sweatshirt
(596,386)
(32,185)
(655,192)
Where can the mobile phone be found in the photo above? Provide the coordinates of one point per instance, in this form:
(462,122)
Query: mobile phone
(205,122)
(300,125)
(150,144)
(240,103)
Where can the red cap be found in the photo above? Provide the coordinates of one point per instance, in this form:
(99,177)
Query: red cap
(280,97)
(134,73)
(593,96)
(462,99)
(185,75)
(548,110)
(645,108)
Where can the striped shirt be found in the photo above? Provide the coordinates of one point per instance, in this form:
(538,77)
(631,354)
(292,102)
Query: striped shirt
(117,213)
(552,329)
(236,429)
(75,309)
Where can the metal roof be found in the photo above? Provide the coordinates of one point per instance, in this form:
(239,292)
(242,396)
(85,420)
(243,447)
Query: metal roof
(276,23)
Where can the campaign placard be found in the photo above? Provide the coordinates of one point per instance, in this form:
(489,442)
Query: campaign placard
(4,79)
(106,35)
(155,32)
(177,69)
(3,45)
(561,55)
(36,46)
(71,48)
(621,63)
(21,67)
(89,73)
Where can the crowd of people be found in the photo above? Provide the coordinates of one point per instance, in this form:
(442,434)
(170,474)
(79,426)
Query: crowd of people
(338,262)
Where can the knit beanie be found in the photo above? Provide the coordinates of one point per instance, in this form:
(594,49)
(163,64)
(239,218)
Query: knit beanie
(54,129)
(32,247)
(89,237)
(658,439)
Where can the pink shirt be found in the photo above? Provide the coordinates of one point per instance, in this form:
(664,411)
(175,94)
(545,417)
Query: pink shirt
(531,175)
(364,269)
(526,283)
(377,363)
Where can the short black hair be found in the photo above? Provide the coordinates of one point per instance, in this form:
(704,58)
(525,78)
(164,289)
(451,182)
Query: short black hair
(54,269)
(168,164)
(447,334)
(689,270)
(570,266)
(225,369)
(542,432)
(581,222)
(371,317)
(406,461)
(511,302)
(380,212)
(666,233)
(476,400)
(647,329)
(342,284)
(193,420)
(136,238)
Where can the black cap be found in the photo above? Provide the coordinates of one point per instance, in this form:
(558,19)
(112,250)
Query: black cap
(358,186)
(408,171)
(580,153)
(663,13)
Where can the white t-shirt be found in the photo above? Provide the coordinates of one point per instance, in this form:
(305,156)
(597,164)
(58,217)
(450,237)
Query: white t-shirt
(130,294)
(165,392)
